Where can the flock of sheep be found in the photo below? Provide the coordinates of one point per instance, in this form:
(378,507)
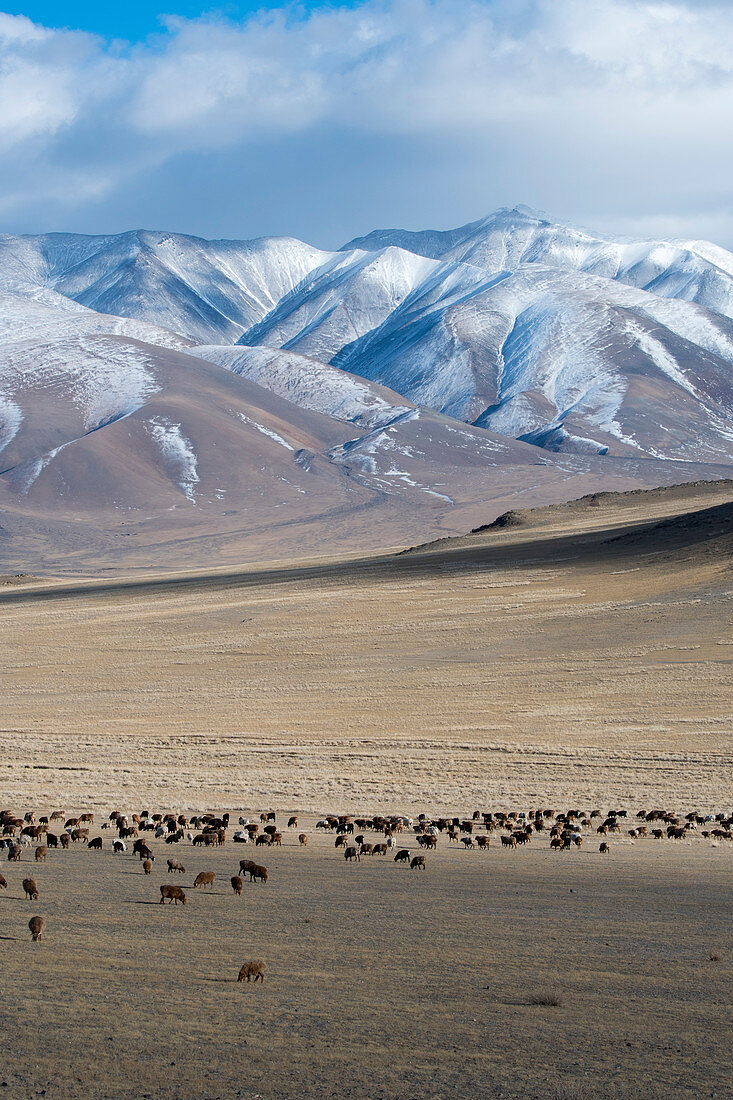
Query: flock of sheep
(566,831)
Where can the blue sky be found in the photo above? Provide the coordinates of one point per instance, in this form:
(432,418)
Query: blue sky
(325,121)
(135,20)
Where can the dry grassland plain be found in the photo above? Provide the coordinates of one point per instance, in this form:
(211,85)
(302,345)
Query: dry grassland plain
(581,658)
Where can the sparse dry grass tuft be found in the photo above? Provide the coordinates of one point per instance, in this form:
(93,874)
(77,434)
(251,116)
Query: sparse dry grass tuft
(549,997)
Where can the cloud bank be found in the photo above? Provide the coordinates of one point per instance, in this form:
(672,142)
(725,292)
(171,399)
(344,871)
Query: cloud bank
(409,112)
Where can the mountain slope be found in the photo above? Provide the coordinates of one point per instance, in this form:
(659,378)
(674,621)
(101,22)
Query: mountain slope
(694,271)
(208,291)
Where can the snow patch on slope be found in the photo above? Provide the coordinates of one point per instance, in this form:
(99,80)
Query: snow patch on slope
(177,453)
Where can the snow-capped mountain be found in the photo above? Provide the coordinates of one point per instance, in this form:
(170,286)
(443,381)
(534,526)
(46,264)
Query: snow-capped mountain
(258,398)
(695,271)
(207,291)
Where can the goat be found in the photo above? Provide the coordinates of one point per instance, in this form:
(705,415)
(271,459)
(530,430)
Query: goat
(252,970)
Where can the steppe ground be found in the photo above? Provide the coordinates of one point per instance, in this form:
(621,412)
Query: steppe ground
(579,658)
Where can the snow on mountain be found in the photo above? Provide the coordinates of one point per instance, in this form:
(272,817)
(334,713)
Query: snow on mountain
(309,383)
(208,291)
(694,271)
(566,360)
(47,315)
(346,297)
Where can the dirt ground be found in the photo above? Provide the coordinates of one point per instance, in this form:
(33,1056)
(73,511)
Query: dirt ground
(579,656)
(583,656)
(381,982)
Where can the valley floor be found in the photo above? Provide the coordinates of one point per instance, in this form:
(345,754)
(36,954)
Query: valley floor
(382,983)
(582,656)
(579,656)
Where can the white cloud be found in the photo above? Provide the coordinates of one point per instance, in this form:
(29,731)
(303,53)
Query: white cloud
(587,99)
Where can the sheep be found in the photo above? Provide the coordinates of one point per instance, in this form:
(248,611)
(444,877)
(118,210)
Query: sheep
(30,889)
(302,839)
(277,838)
(379,850)
(604,847)
(41,852)
(65,840)
(257,873)
(293,823)
(172,893)
(52,841)
(237,884)
(37,926)
(403,856)
(95,844)
(205,878)
(14,853)
(3,882)
(174,865)
(352,853)
(119,846)
(417,863)
(252,970)
(147,866)
(483,842)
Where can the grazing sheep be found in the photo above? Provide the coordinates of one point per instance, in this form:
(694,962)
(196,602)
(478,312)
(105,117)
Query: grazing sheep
(14,853)
(379,850)
(257,873)
(237,884)
(174,865)
(302,839)
(37,926)
(417,862)
(277,838)
(3,882)
(52,841)
(483,842)
(172,893)
(264,838)
(252,970)
(147,866)
(403,856)
(119,846)
(30,889)
(205,878)
(96,844)
(41,852)
(352,853)
(293,823)
(65,840)
(604,847)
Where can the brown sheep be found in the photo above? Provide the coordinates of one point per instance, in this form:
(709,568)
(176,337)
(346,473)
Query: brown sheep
(30,888)
(174,865)
(604,847)
(257,873)
(302,839)
(293,823)
(205,878)
(37,926)
(41,852)
(172,893)
(351,853)
(483,842)
(403,856)
(263,839)
(96,844)
(237,884)
(277,838)
(252,970)
(15,851)
(147,866)
(417,862)
(380,850)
